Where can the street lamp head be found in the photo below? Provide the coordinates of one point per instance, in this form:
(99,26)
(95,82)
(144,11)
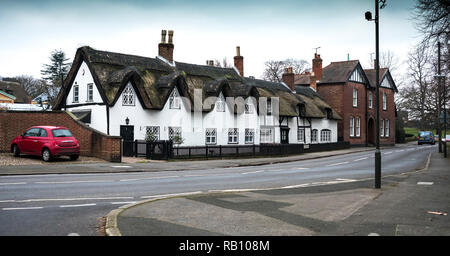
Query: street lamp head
(368,16)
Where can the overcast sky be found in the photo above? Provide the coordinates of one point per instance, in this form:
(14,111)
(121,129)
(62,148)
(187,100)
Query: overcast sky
(265,30)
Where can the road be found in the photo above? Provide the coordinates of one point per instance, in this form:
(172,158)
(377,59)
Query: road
(71,204)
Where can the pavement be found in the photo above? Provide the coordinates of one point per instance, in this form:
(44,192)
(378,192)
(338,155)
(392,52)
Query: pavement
(134,165)
(416,203)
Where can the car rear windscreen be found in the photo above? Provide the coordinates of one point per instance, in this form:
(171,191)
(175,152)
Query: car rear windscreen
(61,133)
(424,134)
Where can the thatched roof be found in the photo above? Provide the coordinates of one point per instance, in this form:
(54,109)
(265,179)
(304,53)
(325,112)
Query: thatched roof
(154,79)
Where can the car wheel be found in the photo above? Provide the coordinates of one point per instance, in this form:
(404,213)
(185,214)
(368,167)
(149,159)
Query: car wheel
(16,151)
(74,157)
(46,155)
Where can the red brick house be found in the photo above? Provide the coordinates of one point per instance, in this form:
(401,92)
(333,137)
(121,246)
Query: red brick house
(350,90)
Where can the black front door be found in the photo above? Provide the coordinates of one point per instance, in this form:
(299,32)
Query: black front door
(284,135)
(127,134)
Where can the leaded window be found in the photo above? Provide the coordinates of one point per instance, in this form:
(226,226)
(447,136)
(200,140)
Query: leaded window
(301,135)
(152,133)
(267,135)
(128,96)
(174,100)
(314,135)
(249,136)
(220,104)
(233,135)
(175,135)
(325,135)
(211,136)
(248,108)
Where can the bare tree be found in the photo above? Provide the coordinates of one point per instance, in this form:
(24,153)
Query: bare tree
(223,64)
(433,18)
(34,87)
(274,68)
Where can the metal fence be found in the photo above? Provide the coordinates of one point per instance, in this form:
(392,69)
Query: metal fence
(166,150)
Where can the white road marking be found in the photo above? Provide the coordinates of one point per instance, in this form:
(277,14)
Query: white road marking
(65,199)
(73,234)
(21,208)
(337,164)
(251,172)
(359,159)
(132,202)
(387,153)
(13,183)
(76,205)
(425,183)
(129,180)
(302,168)
(72,182)
(349,180)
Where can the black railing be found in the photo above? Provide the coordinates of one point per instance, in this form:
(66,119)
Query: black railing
(166,149)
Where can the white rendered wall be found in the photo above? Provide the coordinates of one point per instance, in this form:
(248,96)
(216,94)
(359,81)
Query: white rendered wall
(98,112)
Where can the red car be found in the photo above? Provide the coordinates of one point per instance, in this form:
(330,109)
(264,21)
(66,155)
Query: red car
(46,141)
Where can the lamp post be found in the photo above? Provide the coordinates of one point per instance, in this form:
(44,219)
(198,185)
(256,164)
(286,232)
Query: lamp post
(368,16)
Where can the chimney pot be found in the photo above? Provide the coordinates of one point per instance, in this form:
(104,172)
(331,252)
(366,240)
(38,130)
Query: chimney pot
(238,51)
(170,37)
(163,36)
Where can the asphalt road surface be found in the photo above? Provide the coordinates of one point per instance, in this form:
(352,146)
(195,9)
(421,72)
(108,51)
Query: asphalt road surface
(72,204)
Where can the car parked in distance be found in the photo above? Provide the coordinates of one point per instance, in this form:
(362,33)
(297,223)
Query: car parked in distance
(425,137)
(46,141)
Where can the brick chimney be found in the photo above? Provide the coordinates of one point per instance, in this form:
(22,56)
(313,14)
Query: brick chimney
(165,50)
(288,78)
(239,61)
(317,66)
(374,63)
(313,81)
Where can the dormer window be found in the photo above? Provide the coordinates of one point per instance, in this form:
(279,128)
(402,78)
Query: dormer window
(128,96)
(220,103)
(174,100)
(301,110)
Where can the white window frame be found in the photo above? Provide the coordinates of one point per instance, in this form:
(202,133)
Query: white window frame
(248,108)
(249,136)
(90,92)
(233,135)
(384,101)
(314,136)
(301,134)
(269,107)
(325,135)
(267,135)
(386,128)
(358,126)
(152,130)
(76,93)
(174,100)
(382,128)
(128,97)
(173,131)
(211,136)
(220,104)
(355,97)
(352,126)
(370,100)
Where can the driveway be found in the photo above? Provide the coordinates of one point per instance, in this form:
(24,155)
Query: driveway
(7,159)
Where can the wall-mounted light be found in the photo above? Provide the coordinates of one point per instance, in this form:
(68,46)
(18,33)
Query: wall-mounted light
(127,120)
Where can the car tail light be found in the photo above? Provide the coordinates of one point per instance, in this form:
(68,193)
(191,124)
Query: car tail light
(431,137)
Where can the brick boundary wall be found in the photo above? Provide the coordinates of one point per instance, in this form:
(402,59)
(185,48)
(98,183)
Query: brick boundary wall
(92,142)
